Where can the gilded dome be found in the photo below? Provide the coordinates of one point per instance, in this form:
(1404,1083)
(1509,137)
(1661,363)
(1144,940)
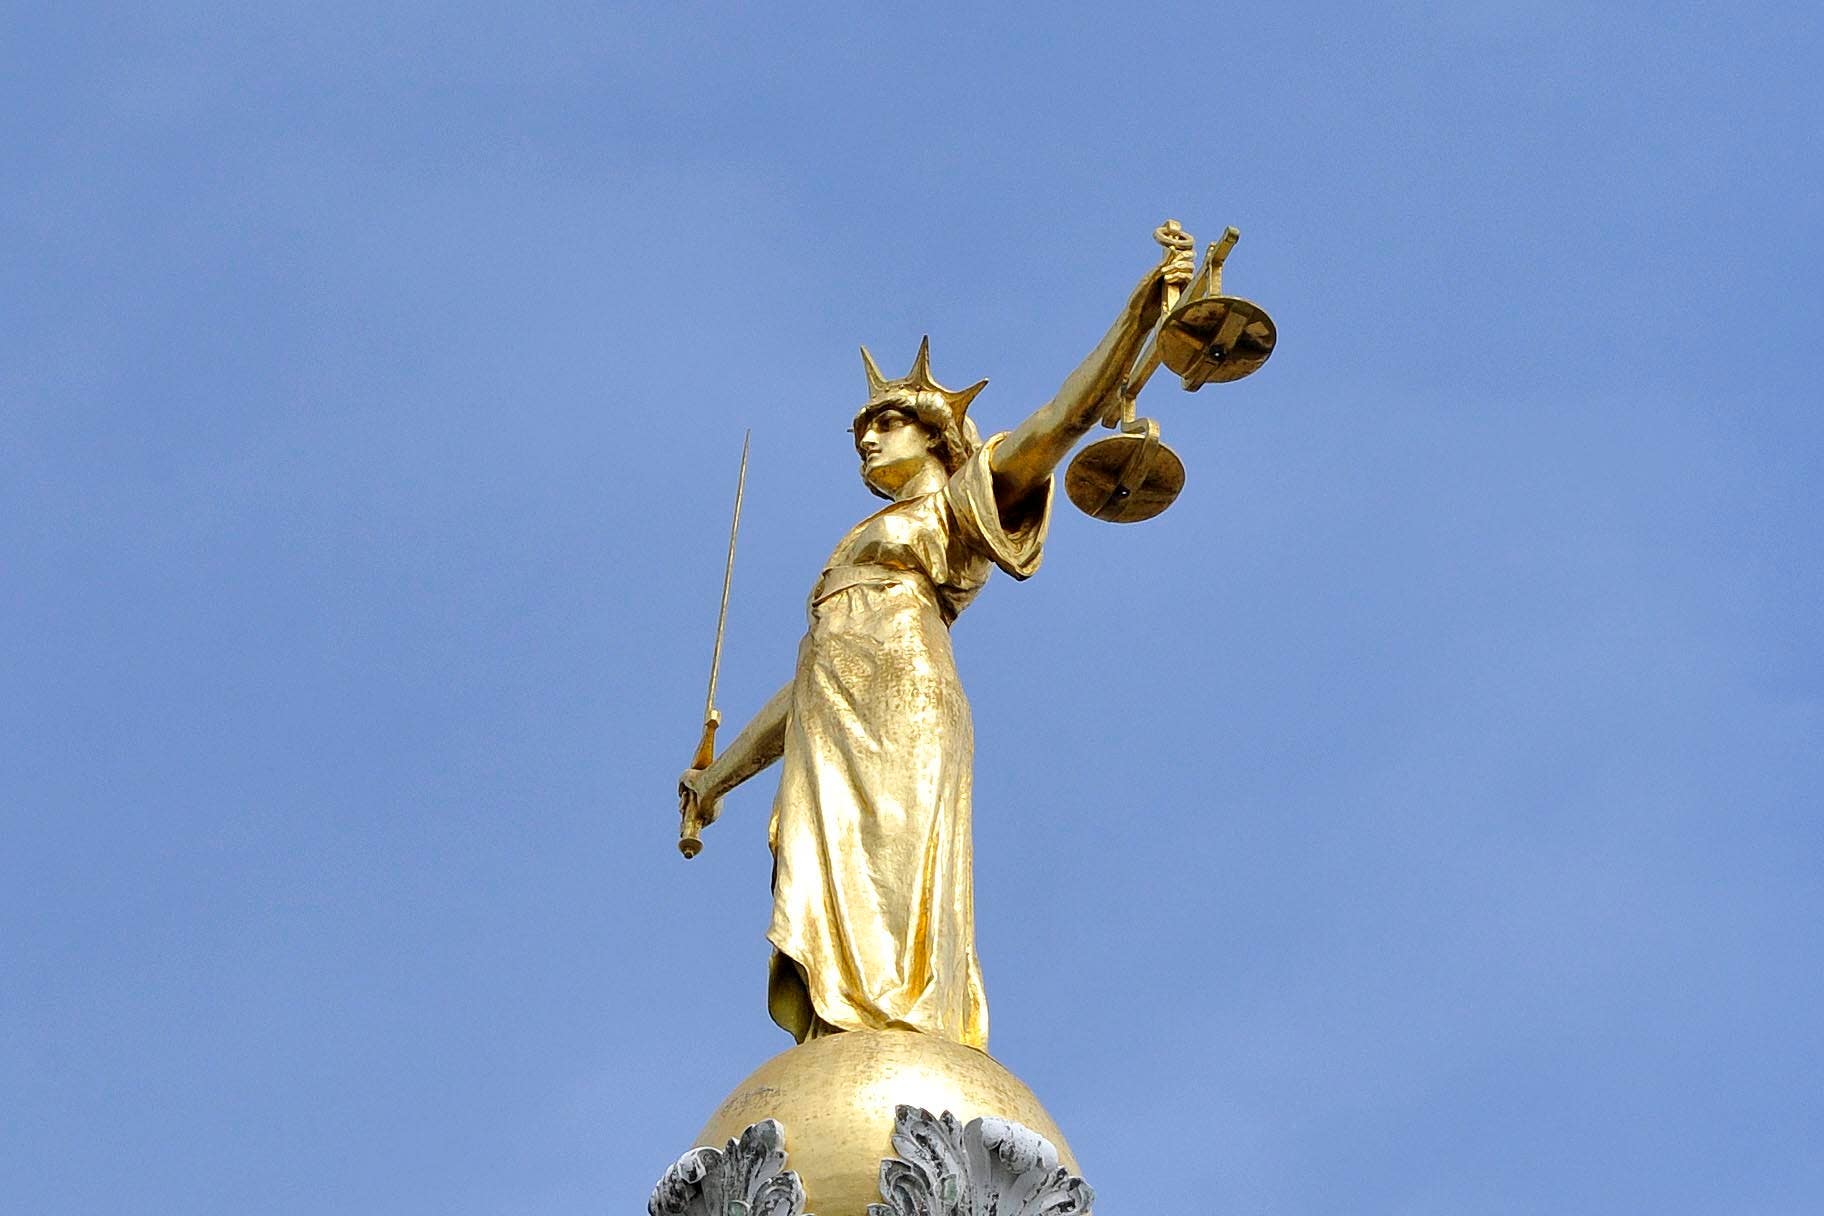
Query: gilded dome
(836,1097)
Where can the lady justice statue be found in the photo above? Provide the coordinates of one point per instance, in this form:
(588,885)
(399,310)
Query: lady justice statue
(873,907)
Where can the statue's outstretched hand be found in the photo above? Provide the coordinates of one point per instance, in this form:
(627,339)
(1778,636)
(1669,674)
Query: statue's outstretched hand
(1164,282)
(1178,267)
(1179,264)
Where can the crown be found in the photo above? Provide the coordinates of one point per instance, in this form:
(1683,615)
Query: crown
(935,405)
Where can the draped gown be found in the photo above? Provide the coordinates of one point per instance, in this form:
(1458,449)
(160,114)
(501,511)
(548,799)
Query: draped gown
(873,922)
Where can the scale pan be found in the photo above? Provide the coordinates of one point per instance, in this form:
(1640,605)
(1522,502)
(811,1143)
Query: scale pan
(1216,339)
(1116,479)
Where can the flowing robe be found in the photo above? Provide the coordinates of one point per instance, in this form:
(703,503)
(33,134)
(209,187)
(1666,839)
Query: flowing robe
(873,921)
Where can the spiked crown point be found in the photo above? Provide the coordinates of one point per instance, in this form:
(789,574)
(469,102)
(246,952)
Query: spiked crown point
(876,381)
(920,375)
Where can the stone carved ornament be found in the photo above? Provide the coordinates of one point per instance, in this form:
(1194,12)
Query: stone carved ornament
(987,1167)
(746,1178)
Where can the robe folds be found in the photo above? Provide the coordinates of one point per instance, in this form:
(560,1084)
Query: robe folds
(873,922)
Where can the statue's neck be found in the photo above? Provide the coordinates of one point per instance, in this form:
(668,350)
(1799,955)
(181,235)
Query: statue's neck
(928,480)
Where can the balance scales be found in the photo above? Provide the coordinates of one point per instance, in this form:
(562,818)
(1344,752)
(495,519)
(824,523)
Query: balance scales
(1204,337)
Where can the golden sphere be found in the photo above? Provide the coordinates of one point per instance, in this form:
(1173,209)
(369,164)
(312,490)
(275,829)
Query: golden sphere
(836,1096)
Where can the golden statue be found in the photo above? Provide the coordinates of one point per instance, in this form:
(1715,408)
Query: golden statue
(873,923)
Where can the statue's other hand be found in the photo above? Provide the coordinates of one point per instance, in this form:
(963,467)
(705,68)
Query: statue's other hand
(693,789)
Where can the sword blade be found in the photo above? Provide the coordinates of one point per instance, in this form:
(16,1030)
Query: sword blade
(728,579)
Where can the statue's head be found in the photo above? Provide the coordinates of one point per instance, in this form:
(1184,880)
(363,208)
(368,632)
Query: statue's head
(910,421)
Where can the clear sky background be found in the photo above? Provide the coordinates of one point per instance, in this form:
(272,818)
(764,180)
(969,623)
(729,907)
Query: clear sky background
(1423,816)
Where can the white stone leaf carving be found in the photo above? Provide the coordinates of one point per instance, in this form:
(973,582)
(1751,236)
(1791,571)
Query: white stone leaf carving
(990,1167)
(746,1178)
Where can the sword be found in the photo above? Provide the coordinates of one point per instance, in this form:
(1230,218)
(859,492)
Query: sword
(689,810)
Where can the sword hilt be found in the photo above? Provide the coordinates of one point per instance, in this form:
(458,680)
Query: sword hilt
(690,809)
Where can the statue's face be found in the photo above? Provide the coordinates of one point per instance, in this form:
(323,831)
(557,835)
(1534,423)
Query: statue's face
(895,446)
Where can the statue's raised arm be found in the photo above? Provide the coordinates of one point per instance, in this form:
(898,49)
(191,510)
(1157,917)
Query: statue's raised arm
(1024,460)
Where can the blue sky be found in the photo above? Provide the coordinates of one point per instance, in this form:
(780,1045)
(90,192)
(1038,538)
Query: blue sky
(1420,817)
